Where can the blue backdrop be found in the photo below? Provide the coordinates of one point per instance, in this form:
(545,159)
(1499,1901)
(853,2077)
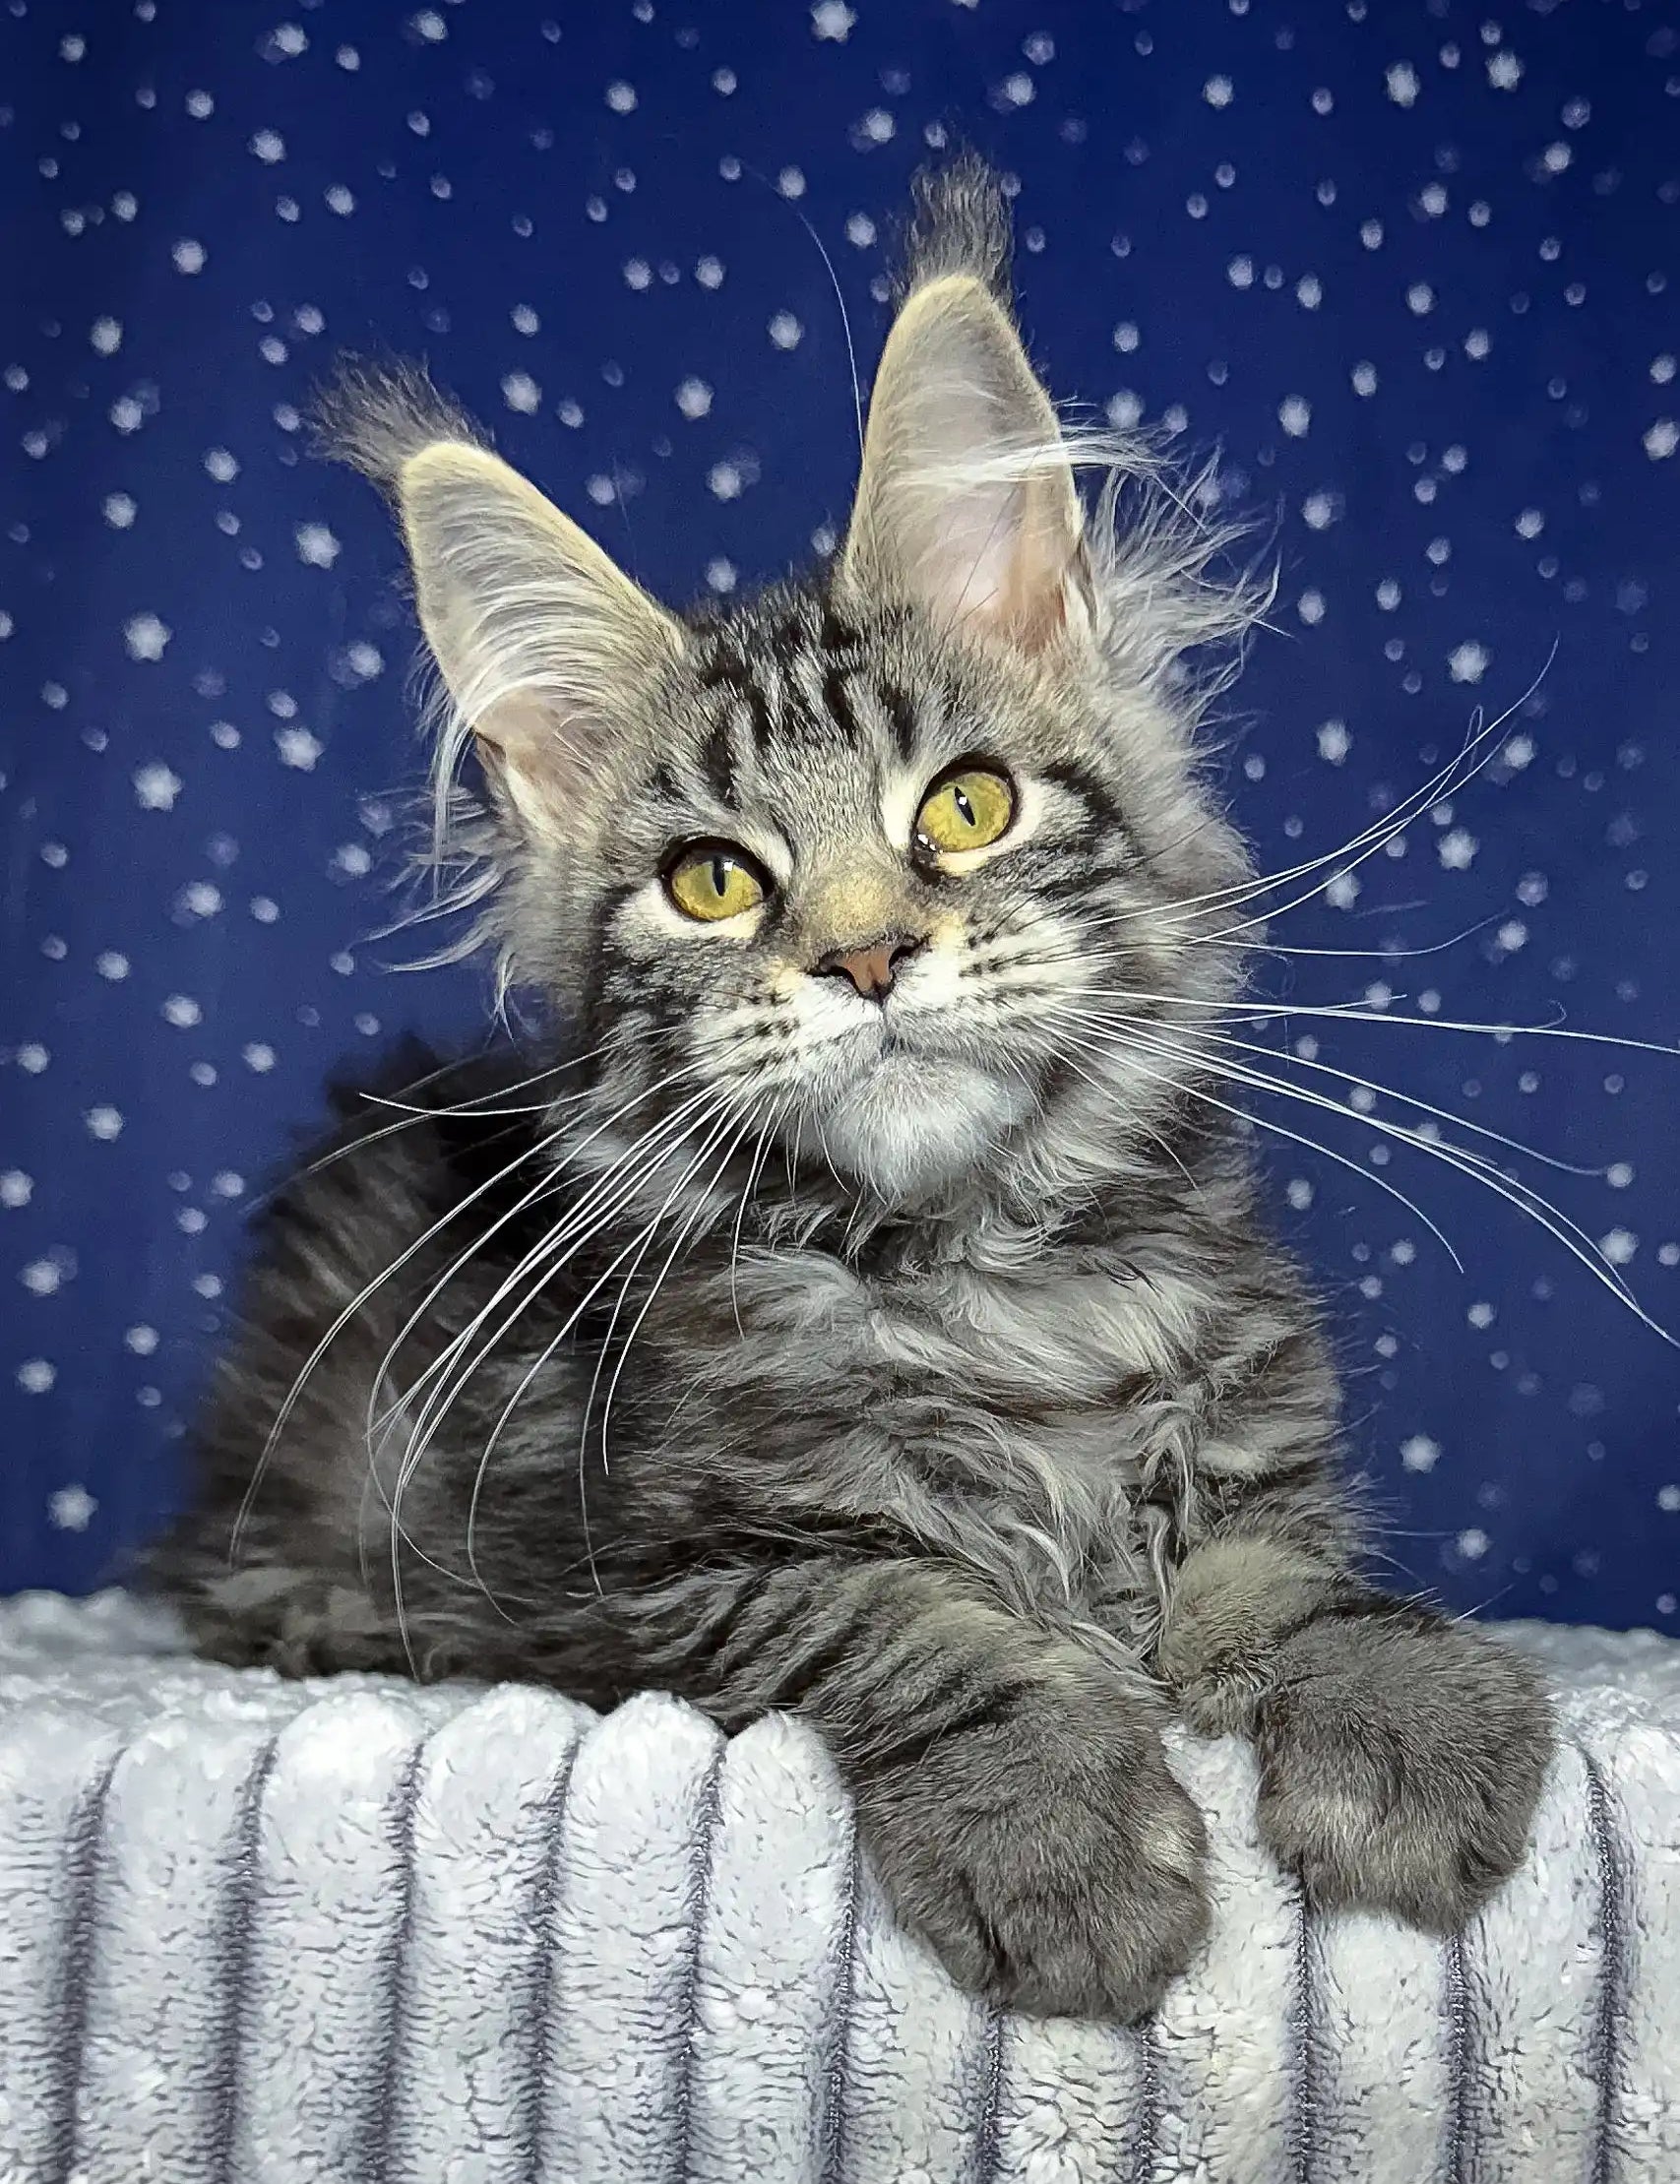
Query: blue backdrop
(1409,266)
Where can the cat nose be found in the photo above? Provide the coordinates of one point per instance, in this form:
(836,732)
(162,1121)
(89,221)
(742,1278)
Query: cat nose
(871,969)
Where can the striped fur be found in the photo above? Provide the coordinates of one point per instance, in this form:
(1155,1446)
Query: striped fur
(921,1365)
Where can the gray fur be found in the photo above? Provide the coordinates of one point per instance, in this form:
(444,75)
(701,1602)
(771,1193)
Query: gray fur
(931,1373)
(376,416)
(959,225)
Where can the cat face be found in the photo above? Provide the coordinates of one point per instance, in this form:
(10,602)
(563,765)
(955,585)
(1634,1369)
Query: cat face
(854,865)
(865,882)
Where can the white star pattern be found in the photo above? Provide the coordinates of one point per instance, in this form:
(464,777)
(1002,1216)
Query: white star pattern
(298,748)
(833,20)
(316,545)
(71,1509)
(145,636)
(1457,850)
(155,786)
(1431,348)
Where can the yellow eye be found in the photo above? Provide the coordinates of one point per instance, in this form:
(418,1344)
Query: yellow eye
(966,809)
(713,881)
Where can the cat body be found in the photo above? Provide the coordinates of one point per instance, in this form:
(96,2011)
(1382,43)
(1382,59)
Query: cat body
(870,1314)
(1059,1421)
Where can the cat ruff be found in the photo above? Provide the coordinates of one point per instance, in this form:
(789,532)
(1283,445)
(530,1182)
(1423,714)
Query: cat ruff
(259,1932)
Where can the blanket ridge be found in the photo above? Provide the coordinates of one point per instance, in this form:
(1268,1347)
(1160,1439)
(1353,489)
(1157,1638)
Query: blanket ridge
(356,1931)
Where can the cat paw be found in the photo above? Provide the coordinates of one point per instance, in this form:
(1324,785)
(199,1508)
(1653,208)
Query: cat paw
(1217,1651)
(1400,1762)
(1056,1885)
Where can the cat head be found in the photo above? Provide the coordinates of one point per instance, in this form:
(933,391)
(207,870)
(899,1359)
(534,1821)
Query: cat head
(878,865)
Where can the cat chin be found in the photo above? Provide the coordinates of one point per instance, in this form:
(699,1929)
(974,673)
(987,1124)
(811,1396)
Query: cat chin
(913,1124)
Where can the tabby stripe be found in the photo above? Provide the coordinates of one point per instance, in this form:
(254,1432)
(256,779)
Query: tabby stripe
(901,714)
(837,703)
(761,723)
(718,760)
(1088,787)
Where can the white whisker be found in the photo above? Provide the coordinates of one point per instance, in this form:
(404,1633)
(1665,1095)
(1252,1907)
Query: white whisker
(1350,1076)
(342,1320)
(1312,1144)
(443,1397)
(684,1235)
(638,1244)
(1512,1190)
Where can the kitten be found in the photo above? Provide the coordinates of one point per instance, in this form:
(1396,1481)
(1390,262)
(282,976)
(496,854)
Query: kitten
(870,1314)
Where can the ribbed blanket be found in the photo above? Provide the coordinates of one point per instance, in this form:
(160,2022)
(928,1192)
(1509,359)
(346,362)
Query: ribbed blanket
(256,1932)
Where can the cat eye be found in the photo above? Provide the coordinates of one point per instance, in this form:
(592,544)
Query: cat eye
(711,880)
(967,808)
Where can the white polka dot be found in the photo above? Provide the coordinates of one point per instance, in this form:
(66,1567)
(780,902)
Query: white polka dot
(316,547)
(145,636)
(155,785)
(71,1508)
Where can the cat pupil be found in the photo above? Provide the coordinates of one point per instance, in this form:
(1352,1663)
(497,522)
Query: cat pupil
(965,808)
(719,876)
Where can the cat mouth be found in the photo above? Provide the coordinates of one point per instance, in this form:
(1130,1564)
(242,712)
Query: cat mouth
(929,1039)
(907,1054)
(903,1048)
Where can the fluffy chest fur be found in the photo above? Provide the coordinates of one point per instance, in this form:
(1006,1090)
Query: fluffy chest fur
(1014,1419)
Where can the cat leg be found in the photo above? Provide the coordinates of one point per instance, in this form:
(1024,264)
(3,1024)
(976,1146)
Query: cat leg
(302,1621)
(1400,1754)
(1012,1791)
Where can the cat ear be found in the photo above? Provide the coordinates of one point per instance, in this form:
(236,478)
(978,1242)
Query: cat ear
(967,505)
(543,640)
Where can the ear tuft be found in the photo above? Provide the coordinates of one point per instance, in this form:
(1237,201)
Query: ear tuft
(375,416)
(959,225)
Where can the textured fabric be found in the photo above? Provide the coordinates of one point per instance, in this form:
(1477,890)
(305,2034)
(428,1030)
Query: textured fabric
(354,1930)
(1408,263)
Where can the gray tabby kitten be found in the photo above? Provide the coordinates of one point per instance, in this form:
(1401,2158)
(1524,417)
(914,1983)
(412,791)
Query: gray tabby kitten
(870,1316)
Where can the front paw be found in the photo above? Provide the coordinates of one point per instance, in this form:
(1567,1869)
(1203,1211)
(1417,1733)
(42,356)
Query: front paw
(1054,1870)
(1401,1760)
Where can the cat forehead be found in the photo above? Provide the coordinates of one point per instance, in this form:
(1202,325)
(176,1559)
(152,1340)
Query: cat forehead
(795,690)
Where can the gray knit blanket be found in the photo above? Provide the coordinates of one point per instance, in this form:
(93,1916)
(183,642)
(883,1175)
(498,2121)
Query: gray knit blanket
(254,1932)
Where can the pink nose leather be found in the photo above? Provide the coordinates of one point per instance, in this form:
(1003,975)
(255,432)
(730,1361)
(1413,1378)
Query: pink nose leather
(871,969)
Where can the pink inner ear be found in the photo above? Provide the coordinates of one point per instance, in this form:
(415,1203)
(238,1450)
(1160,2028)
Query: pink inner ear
(524,731)
(1008,564)
(529,759)
(546,647)
(1037,604)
